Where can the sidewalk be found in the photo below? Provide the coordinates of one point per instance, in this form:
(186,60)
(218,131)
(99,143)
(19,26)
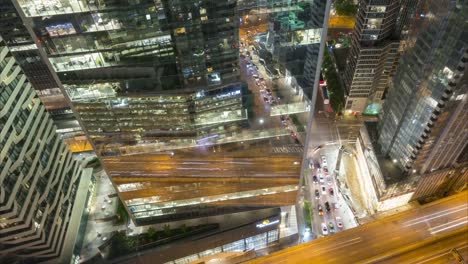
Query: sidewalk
(100,224)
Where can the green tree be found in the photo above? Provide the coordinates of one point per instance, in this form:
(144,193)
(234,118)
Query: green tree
(151,233)
(335,90)
(345,7)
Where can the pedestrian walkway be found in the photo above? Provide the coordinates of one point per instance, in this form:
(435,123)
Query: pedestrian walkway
(102,209)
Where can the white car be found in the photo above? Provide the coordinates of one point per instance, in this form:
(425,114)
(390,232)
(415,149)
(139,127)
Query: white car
(321,179)
(255,76)
(324,161)
(324,190)
(339,223)
(329,180)
(324,229)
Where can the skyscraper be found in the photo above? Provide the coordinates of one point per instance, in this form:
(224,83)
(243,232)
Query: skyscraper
(417,150)
(374,53)
(423,124)
(26,53)
(174,113)
(42,189)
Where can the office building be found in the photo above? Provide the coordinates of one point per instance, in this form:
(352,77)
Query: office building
(42,189)
(169,105)
(374,53)
(418,148)
(26,53)
(425,100)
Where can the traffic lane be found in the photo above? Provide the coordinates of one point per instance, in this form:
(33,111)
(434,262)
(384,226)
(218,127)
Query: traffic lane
(261,107)
(438,252)
(367,240)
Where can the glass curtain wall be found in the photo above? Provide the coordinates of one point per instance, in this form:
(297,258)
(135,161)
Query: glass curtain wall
(206,102)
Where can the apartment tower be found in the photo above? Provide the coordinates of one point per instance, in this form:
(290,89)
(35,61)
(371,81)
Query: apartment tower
(373,55)
(42,189)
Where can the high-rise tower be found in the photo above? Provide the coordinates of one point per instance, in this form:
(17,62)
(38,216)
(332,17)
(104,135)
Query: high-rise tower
(374,53)
(42,189)
(26,53)
(423,125)
(175,114)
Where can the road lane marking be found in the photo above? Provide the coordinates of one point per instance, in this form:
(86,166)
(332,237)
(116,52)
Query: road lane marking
(448,223)
(448,227)
(434,216)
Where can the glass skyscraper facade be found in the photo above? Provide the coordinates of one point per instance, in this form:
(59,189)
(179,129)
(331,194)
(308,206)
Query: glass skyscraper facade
(374,53)
(420,114)
(196,108)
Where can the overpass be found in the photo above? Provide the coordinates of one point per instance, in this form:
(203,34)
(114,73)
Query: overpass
(424,235)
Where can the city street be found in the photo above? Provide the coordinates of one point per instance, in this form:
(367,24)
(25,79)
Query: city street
(322,191)
(387,237)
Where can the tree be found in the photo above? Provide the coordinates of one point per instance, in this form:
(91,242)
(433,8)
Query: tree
(345,7)
(151,233)
(335,90)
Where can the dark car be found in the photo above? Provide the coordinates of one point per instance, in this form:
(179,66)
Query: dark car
(315,178)
(327,206)
(331,191)
(317,194)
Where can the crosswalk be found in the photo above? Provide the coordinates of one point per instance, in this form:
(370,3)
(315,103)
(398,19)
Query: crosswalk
(287,149)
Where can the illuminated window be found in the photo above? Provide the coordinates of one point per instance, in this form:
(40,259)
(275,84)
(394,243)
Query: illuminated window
(180,31)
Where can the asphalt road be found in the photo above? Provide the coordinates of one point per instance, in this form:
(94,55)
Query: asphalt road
(185,165)
(437,252)
(362,244)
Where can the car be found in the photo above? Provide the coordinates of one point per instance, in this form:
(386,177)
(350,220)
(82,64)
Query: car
(324,190)
(331,191)
(266,99)
(268,91)
(329,180)
(311,162)
(332,227)
(325,170)
(293,135)
(327,206)
(320,209)
(317,194)
(324,229)
(248,64)
(255,76)
(321,179)
(314,178)
(339,223)
(257,83)
(324,161)
(283,120)
(336,206)
(317,148)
